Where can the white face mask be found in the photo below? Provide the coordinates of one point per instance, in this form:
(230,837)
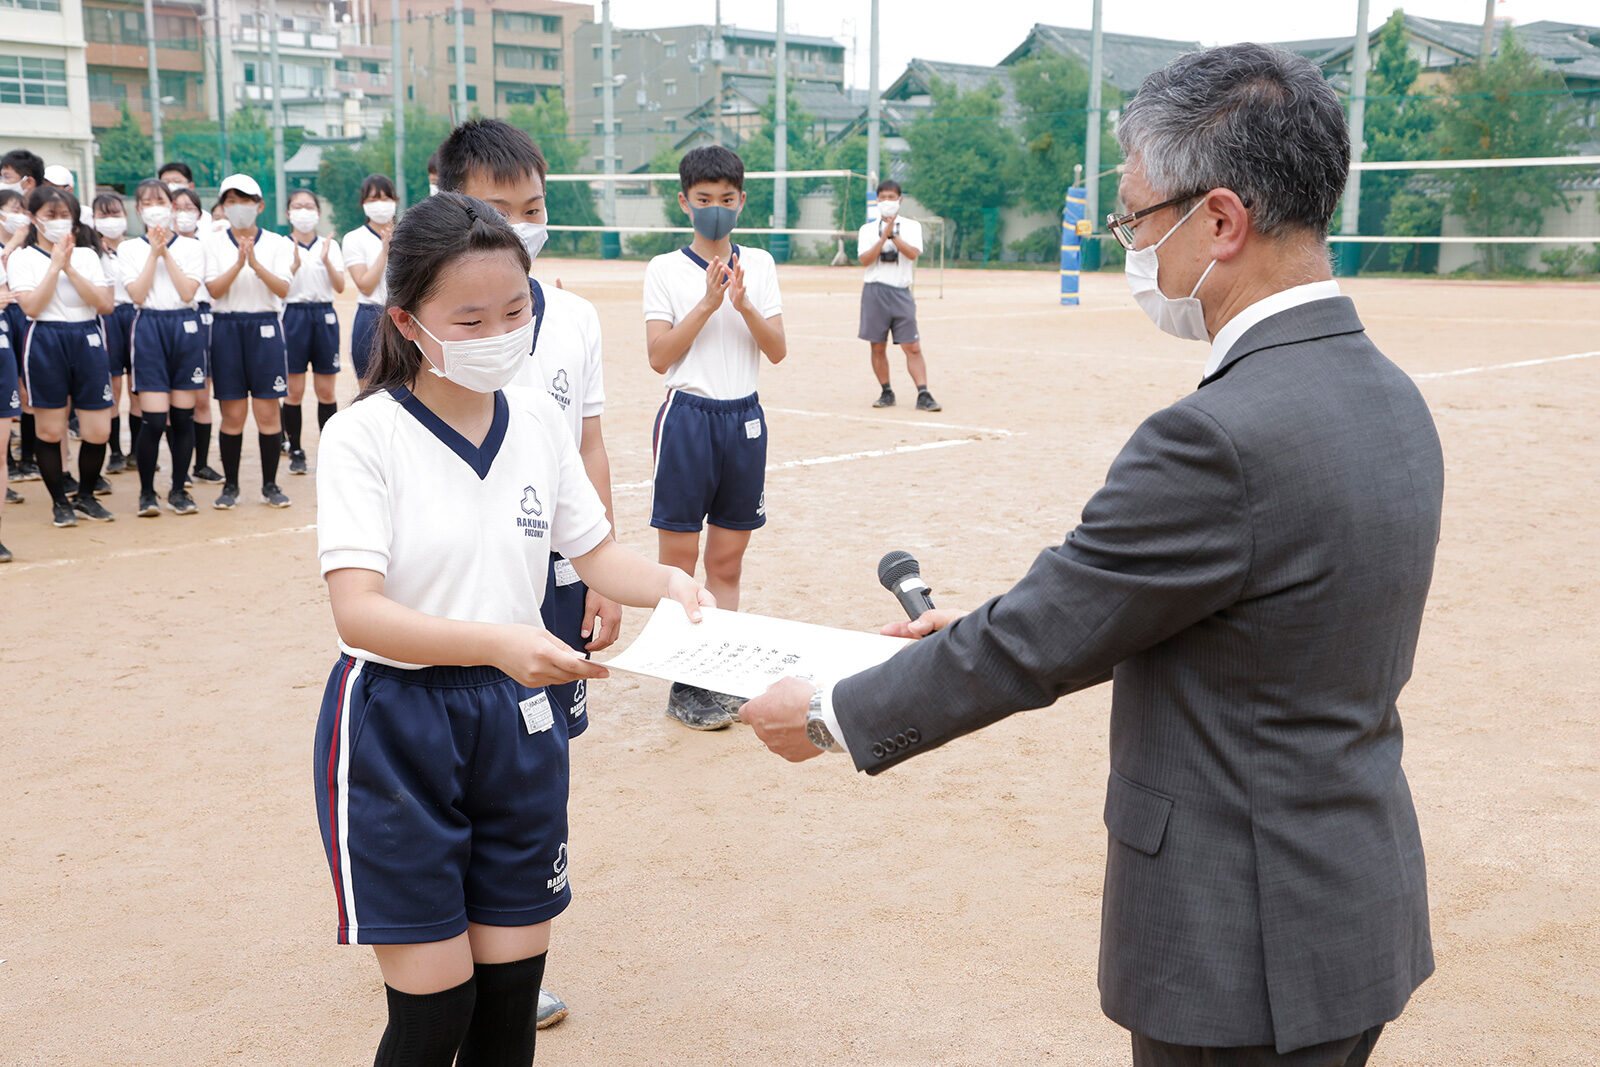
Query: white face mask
(55,229)
(13,186)
(13,220)
(186,221)
(111,226)
(888,208)
(1181,317)
(379,211)
(533,236)
(433,187)
(483,364)
(304,219)
(241,216)
(175,186)
(160,215)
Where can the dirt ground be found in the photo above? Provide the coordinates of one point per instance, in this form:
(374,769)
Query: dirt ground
(163,893)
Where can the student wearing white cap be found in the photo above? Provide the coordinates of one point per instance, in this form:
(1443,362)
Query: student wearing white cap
(248,271)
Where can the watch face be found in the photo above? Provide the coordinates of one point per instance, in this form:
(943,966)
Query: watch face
(817,731)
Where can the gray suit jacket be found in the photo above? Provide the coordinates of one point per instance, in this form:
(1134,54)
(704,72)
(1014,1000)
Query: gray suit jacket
(1252,576)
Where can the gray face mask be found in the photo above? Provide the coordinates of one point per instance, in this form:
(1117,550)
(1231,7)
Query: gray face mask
(714,222)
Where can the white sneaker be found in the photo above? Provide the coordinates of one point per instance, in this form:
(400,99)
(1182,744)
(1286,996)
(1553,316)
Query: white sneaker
(551,1010)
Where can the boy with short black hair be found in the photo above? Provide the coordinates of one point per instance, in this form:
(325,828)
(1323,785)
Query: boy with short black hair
(176,175)
(888,247)
(711,311)
(21,170)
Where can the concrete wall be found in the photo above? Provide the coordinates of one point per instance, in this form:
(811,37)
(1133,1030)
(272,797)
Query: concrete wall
(1582,222)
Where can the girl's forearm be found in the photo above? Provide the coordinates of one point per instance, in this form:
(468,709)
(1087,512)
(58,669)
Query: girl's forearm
(620,574)
(367,619)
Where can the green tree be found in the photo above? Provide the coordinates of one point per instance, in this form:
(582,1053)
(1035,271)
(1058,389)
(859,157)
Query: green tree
(1053,93)
(849,194)
(342,170)
(1400,124)
(569,203)
(1513,107)
(965,161)
(759,154)
(126,154)
(665,161)
(339,177)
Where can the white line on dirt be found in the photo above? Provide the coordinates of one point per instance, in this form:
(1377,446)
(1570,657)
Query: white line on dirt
(1505,366)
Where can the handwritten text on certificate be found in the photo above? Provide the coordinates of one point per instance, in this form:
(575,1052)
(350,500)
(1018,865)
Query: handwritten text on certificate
(742,654)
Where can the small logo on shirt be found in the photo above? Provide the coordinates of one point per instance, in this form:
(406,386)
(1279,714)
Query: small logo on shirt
(529,522)
(559,882)
(559,382)
(198,377)
(530,502)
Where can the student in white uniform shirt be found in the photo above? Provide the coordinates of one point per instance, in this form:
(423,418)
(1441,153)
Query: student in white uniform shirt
(111,223)
(888,248)
(366,255)
(711,311)
(441,766)
(310,325)
(57,278)
(10,399)
(190,219)
(164,271)
(248,271)
(499,164)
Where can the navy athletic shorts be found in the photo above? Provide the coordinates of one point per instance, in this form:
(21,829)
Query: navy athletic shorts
(562,612)
(19,322)
(363,336)
(10,395)
(311,335)
(67,361)
(169,351)
(710,463)
(247,356)
(442,798)
(118,328)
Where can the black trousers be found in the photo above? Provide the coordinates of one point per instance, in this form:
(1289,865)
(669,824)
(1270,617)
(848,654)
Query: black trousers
(1346,1052)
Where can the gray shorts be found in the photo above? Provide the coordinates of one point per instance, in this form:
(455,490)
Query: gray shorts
(885,306)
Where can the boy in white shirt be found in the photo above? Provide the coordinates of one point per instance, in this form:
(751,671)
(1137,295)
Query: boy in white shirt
(711,311)
(888,247)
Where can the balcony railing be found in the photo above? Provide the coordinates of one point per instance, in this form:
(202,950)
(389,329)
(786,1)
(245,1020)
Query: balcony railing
(315,41)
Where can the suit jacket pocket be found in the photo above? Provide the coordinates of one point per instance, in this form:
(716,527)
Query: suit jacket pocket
(1136,815)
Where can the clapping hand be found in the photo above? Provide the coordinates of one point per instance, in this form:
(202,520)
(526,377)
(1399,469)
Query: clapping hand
(718,278)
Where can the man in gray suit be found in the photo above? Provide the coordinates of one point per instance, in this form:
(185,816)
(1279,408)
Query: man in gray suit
(1251,579)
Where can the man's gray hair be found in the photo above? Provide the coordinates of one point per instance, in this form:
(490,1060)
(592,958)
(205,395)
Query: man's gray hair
(1259,121)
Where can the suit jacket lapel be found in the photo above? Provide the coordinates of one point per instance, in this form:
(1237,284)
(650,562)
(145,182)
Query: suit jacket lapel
(1308,322)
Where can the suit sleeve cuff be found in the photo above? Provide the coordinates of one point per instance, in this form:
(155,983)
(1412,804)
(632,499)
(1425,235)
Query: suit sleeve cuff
(831,719)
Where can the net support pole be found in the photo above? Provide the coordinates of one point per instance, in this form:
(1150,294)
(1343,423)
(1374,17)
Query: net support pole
(157,143)
(1091,148)
(276,82)
(780,143)
(399,104)
(1348,258)
(1071,244)
(461,65)
(610,241)
(874,117)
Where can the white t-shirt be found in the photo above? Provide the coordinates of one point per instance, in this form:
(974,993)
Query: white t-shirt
(457,532)
(310,284)
(566,358)
(723,360)
(27,269)
(362,246)
(900,272)
(248,293)
(163,296)
(113,268)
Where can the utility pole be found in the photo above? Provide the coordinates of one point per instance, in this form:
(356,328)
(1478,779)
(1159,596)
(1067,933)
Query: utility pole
(1349,253)
(1091,148)
(461,65)
(222,96)
(872,107)
(399,105)
(276,82)
(155,83)
(780,140)
(718,52)
(1487,47)
(608,114)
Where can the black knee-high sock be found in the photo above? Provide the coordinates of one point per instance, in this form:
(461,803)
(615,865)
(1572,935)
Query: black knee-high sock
(324,413)
(134,422)
(293,418)
(91,458)
(271,447)
(30,440)
(232,448)
(116,435)
(180,442)
(49,460)
(425,1029)
(202,443)
(504,1019)
(147,446)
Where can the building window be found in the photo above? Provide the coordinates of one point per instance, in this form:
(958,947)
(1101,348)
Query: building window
(28,80)
(521,22)
(471,52)
(104,89)
(472,93)
(669,49)
(469,17)
(597,92)
(550,23)
(670,87)
(550,61)
(411,92)
(517,58)
(105,26)
(30,5)
(672,125)
(250,74)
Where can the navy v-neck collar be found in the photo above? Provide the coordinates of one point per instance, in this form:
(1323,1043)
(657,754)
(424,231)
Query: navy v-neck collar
(368,227)
(538,311)
(254,230)
(170,240)
(479,458)
(701,263)
(309,247)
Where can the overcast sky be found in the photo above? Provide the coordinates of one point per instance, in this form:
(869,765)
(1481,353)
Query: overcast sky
(988,29)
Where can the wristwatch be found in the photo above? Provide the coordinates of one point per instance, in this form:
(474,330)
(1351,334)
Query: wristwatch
(817,728)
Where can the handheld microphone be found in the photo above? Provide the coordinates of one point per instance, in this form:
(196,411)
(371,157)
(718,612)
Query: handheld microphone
(900,574)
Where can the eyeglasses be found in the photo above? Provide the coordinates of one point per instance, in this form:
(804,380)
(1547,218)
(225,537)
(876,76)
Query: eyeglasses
(1122,226)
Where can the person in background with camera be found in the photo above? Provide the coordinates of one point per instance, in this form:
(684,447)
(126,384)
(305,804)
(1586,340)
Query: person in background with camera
(888,247)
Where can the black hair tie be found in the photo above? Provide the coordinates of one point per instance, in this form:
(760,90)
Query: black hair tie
(471,214)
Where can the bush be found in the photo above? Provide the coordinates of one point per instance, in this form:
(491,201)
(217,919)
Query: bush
(1041,246)
(1564,261)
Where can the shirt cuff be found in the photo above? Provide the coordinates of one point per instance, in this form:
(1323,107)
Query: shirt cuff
(831,720)
(336,559)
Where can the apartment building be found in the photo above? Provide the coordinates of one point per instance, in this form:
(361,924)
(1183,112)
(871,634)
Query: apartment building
(44,84)
(118,38)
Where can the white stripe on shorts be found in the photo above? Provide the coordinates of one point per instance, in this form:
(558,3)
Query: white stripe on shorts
(661,434)
(346,876)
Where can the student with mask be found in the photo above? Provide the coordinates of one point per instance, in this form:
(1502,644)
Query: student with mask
(111,223)
(310,325)
(190,220)
(711,311)
(14,221)
(176,175)
(366,255)
(10,399)
(888,248)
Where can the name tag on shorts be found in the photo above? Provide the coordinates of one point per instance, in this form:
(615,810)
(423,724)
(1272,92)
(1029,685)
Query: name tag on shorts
(5,340)
(752,429)
(269,331)
(536,713)
(93,339)
(330,318)
(566,573)
(190,326)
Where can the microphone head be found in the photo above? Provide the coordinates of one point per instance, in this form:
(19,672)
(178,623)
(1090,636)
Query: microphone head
(895,567)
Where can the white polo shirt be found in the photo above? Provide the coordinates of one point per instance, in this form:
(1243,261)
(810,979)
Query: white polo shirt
(310,284)
(27,268)
(113,268)
(248,293)
(723,361)
(363,246)
(566,357)
(899,273)
(134,253)
(458,532)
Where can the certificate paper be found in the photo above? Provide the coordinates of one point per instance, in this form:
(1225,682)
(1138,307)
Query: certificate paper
(741,654)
